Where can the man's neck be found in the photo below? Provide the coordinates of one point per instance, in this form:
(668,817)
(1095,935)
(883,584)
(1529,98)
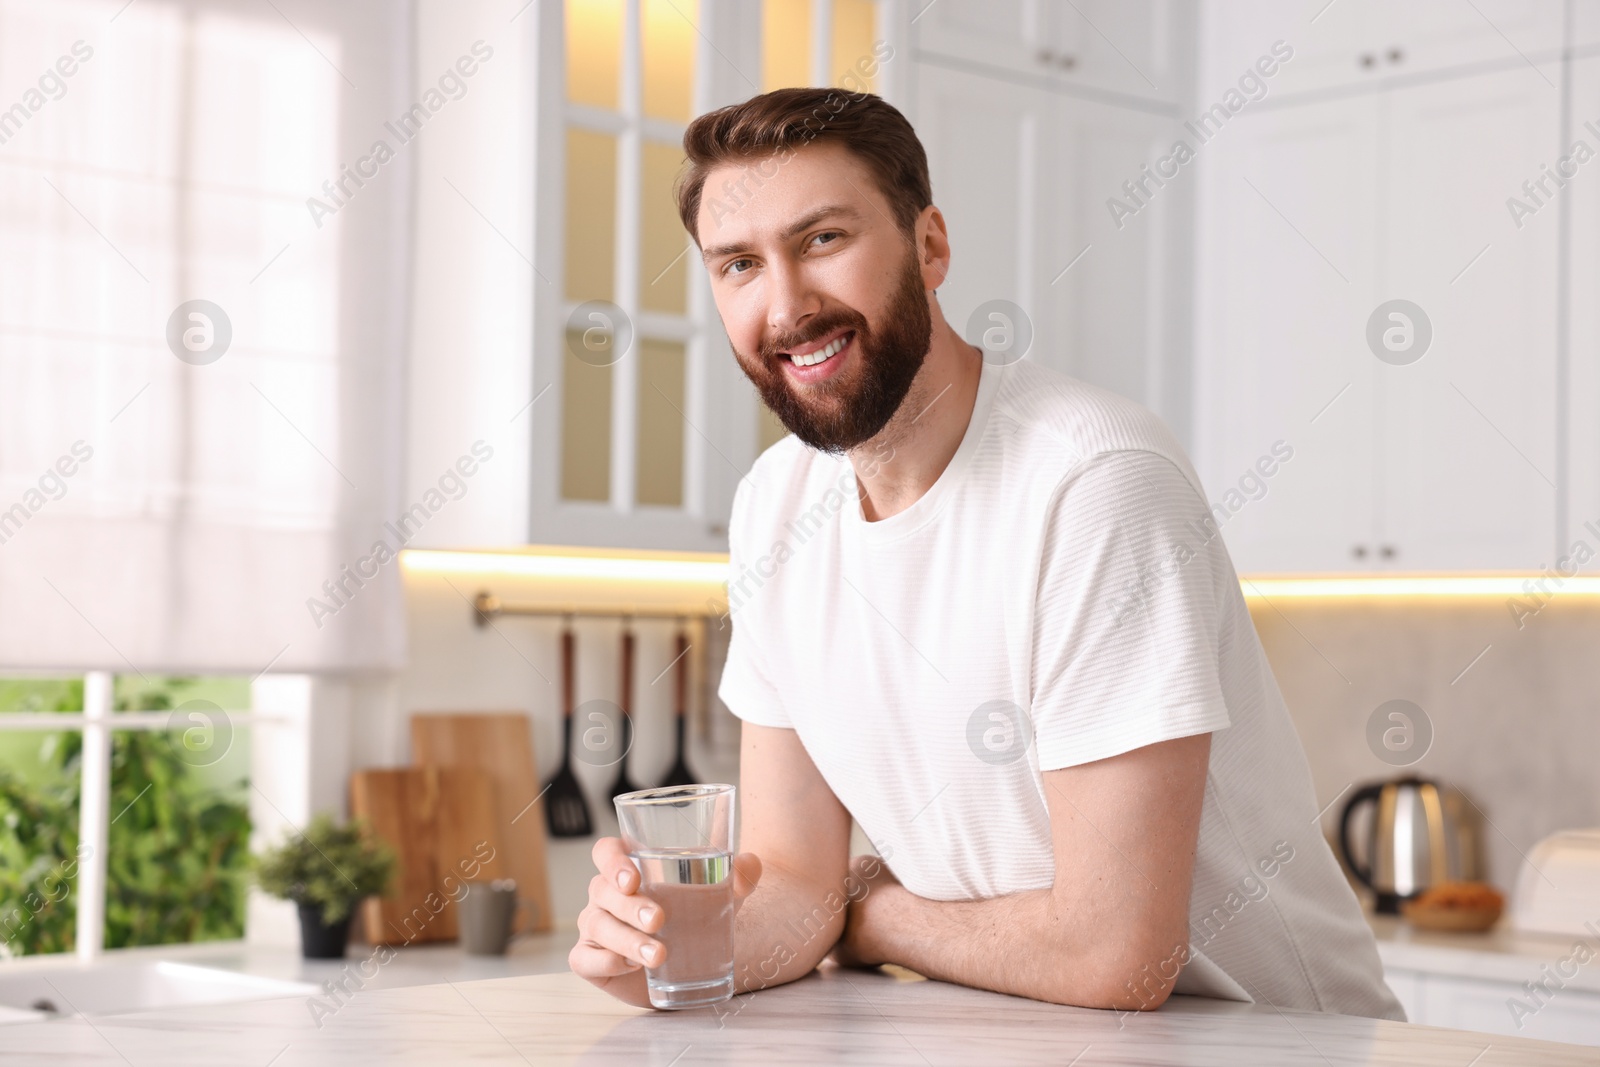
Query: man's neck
(903,460)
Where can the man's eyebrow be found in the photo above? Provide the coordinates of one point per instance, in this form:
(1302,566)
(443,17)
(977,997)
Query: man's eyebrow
(800,225)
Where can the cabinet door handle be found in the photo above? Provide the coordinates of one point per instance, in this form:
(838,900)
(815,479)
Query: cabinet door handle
(1367,60)
(1397,55)
(1359,551)
(1387,552)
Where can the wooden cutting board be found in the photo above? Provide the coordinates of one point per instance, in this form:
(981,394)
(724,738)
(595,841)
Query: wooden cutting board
(441,824)
(500,747)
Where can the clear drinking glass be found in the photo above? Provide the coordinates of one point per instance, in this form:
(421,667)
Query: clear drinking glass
(681,839)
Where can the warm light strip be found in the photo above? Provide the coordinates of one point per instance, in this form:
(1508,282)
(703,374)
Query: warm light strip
(1497,585)
(710,569)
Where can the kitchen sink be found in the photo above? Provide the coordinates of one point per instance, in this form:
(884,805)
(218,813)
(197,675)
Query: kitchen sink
(114,988)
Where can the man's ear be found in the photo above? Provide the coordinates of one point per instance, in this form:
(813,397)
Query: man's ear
(933,247)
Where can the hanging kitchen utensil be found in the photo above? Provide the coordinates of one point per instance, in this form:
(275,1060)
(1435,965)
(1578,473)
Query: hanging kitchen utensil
(624,784)
(564,803)
(680,774)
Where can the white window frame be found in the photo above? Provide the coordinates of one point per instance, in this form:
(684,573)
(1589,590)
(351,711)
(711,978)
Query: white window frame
(97,722)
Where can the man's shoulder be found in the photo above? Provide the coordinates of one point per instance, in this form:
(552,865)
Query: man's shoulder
(1057,423)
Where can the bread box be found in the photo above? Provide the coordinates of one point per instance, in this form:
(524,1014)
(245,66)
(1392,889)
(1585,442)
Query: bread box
(1558,887)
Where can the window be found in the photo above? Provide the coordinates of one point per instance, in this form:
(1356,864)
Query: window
(153,769)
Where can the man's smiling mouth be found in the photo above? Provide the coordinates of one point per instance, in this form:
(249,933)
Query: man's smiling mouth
(812,354)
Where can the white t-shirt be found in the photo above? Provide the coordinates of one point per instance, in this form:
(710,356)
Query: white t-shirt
(1057,596)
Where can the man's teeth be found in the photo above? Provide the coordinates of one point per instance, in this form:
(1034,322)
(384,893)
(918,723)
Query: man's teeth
(825,352)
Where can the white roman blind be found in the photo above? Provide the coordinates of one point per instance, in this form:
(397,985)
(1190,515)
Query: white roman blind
(175,176)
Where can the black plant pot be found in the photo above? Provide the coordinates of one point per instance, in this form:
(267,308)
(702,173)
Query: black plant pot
(322,940)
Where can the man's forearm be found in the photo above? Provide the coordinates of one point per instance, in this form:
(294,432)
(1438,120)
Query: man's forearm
(1022,943)
(785,928)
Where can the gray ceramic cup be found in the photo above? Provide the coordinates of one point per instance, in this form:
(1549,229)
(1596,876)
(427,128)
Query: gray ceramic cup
(487,914)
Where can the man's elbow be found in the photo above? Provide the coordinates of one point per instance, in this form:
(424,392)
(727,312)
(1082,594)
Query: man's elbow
(1124,981)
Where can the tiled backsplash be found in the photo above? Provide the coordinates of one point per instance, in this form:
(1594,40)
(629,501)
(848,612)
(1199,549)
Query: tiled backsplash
(1517,730)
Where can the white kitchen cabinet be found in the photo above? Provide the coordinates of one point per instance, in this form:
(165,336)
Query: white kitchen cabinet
(1407,989)
(1355,44)
(1022,175)
(1467,436)
(1485,1005)
(1128,327)
(989,141)
(1288,241)
(1311,217)
(1581,397)
(1115,48)
(1006,35)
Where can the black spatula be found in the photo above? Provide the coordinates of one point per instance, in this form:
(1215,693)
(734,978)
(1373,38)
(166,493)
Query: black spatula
(624,784)
(565,808)
(680,774)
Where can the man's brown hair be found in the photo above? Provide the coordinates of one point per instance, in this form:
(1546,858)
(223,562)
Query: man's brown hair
(774,124)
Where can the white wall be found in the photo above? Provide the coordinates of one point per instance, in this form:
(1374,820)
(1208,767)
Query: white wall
(472,276)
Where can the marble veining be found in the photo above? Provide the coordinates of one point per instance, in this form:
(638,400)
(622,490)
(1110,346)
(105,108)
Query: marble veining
(832,1016)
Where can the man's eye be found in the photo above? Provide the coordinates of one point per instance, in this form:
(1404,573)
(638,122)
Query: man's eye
(829,233)
(727,266)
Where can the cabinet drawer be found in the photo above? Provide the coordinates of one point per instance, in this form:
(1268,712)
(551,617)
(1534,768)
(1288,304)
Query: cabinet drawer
(1569,1015)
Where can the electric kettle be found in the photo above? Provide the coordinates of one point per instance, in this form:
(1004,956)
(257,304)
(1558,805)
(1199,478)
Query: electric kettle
(1421,833)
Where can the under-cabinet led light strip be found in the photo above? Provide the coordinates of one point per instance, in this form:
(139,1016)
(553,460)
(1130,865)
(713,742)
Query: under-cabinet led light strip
(711,570)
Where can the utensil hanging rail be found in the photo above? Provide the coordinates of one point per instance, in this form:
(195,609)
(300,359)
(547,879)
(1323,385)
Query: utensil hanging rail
(486,607)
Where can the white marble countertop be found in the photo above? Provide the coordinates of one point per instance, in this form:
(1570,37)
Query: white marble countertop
(832,1016)
(1500,954)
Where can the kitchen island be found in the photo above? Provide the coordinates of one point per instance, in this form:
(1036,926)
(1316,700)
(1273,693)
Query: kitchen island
(832,1016)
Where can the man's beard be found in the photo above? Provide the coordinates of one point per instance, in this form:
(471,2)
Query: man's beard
(852,406)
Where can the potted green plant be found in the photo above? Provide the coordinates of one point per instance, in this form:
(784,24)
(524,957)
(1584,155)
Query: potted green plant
(326,870)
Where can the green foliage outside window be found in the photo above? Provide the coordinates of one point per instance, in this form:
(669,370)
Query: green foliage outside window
(178,848)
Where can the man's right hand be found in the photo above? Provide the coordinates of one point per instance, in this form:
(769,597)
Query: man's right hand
(614,942)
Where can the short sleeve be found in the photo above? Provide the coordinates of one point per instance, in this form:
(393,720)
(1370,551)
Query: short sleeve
(746,687)
(1128,612)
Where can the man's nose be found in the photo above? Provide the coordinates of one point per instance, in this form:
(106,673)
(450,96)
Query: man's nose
(793,300)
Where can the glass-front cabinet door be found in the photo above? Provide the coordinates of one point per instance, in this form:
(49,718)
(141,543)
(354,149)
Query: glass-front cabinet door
(653,423)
